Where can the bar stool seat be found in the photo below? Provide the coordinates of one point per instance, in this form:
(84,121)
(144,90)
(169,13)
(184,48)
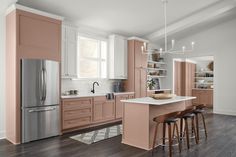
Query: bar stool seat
(188,115)
(199,111)
(171,120)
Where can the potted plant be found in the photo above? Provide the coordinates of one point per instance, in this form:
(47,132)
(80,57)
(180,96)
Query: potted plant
(151,84)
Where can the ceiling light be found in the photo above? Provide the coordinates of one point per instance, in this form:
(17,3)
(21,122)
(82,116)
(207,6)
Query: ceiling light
(166,50)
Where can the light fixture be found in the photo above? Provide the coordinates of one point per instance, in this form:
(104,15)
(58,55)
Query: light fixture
(166,50)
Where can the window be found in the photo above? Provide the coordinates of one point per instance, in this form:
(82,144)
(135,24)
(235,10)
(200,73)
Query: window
(92,57)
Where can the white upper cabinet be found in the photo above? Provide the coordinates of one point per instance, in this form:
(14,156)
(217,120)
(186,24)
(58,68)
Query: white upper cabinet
(69,52)
(117,57)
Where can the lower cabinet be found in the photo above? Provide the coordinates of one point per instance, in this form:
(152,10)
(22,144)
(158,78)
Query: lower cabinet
(76,113)
(84,112)
(104,109)
(119,104)
(203,97)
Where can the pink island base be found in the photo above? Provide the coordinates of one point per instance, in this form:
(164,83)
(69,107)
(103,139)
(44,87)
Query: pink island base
(138,114)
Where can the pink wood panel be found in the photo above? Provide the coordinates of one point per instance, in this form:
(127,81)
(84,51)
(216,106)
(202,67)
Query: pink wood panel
(136,125)
(129,84)
(38,36)
(160,110)
(12,109)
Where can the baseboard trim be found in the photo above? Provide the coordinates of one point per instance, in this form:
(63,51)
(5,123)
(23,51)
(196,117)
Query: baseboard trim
(224,112)
(2,134)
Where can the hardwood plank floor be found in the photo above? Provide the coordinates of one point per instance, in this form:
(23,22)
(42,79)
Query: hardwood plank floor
(221,142)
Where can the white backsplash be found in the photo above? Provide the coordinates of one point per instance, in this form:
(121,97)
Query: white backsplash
(85,86)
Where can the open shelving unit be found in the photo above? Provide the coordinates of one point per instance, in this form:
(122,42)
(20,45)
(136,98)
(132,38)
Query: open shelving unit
(204,79)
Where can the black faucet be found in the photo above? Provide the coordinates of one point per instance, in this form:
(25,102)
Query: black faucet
(93,91)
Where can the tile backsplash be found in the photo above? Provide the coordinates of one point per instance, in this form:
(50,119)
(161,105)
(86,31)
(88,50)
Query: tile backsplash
(85,86)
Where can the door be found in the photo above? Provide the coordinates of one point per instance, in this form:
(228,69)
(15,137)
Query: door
(97,112)
(177,78)
(40,122)
(39,82)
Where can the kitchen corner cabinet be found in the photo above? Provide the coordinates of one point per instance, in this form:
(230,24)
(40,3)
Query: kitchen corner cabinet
(203,96)
(117,57)
(69,52)
(103,109)
(119,104)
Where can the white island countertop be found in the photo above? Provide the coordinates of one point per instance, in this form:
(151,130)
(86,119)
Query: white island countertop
(151,101)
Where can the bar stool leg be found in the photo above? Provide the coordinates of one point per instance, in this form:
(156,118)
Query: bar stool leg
(186,132)
(197,126)
(178,138)
(154,139)
(164,135)
(194,131)
(170,140)
(204,123)
(173,132)
(181,128)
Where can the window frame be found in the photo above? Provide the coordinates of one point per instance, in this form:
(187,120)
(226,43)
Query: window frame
(98,59)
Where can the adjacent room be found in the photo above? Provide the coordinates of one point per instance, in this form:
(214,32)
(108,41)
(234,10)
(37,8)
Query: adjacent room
(124,78)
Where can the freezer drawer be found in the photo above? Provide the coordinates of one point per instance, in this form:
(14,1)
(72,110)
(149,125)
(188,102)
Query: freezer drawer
(40,122)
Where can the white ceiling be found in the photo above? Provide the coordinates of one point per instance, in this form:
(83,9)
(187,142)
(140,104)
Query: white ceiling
(125,17)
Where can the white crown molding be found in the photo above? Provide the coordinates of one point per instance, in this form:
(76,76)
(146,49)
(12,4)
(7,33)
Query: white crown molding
(139,39)
(31,10)
(202,16)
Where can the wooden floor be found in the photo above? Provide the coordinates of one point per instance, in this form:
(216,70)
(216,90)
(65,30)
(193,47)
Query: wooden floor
(220,143)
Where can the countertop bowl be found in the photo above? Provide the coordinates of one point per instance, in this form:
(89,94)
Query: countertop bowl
(163,96)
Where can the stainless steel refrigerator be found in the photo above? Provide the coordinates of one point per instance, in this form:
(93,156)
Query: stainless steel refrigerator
(39,99)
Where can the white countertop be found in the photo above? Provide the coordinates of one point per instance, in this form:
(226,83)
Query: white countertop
(83,95)
(151,101)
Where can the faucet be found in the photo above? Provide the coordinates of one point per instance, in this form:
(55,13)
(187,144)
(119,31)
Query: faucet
(93,90)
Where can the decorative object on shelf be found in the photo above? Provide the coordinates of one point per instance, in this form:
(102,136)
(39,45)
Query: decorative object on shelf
(151,84)
(163,96)
(211,66)
(172,50)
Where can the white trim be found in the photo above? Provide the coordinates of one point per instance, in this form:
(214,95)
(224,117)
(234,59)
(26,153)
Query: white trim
(31,10)
(2,134)
(224,112)
(137,38)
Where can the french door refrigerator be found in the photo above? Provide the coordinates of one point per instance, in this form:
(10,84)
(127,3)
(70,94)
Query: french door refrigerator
(39,99)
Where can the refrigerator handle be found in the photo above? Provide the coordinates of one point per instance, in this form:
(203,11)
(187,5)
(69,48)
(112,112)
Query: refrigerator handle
(45,83)
(41,83)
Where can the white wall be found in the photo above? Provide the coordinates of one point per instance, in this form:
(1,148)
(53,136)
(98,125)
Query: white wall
(85,86)
(2,76)
(220,42)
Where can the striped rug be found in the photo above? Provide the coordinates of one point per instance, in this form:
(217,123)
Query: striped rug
(98,135)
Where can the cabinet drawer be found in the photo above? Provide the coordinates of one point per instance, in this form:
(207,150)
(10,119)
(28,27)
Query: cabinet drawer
(73,114)
(77,104)
(76,122)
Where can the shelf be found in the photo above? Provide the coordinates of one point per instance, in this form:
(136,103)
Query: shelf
(204,77)
(200,72)
(163,63)
(156,69)
(154,76)
(204,83)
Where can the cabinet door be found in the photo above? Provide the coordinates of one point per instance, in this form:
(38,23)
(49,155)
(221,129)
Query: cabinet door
(196,94)
(118,57)
(97,111)
(39,36)
(108,110)
(119,105)
(69,52)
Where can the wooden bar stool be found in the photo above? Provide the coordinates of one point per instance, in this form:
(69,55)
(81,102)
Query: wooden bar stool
(200,111)
(185,116)
(167,119)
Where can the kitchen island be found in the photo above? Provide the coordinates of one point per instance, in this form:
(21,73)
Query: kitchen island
(138,114)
